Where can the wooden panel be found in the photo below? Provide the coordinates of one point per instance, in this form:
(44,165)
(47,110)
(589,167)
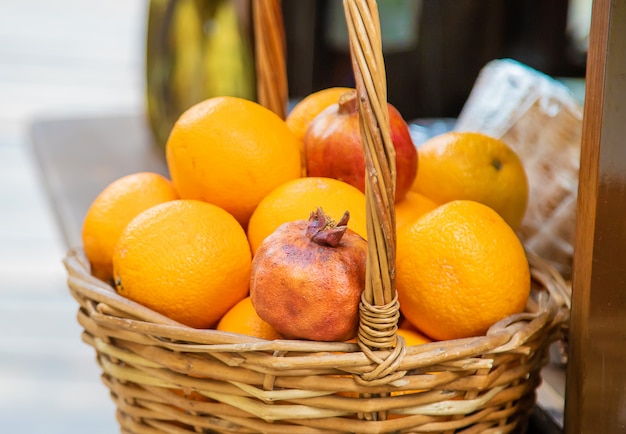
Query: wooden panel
(596,378)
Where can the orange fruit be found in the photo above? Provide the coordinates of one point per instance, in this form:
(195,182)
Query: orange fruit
(411,207)
(296,199)
(474,166)
(231,152)
(459,269)
(191,395)
(243,319)
(413,337)
(115,206)
(308,108)
(186,259)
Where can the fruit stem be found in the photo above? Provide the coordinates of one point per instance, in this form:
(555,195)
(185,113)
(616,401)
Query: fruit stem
(325,231)
(347,103)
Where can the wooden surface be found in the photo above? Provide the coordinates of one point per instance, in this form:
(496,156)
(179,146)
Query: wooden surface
(596,386)
(79,157)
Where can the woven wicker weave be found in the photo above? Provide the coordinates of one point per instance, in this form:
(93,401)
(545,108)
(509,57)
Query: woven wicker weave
(244,384)
(168,378)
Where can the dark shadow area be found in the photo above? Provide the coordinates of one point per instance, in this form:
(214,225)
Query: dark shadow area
(435,59)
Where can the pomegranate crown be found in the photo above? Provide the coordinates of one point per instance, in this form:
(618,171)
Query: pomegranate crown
(323,230)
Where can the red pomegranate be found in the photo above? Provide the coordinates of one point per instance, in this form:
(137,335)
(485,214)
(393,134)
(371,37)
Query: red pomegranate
(307,279)
(333,146)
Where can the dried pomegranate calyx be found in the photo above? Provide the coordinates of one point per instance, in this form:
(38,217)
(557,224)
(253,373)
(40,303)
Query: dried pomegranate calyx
(323,230)
(348,103)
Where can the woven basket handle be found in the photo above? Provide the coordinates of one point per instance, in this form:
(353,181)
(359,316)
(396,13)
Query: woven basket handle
(379,308)
(270,55)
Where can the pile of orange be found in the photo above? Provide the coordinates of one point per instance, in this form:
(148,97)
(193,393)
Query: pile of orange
(184,247)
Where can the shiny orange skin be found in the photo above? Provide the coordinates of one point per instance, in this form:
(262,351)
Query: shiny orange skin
(474,166)
(186,259)
(308,291)
(459,269)
(295,199)
(412,207)
(116,205)
(413,337)
(231,152)
(242,318)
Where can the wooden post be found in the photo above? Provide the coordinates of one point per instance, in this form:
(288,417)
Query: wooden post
(596,375)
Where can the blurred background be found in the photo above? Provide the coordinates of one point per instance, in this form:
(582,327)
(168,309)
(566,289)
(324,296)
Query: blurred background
(435,49)
(88,91)
(58,60)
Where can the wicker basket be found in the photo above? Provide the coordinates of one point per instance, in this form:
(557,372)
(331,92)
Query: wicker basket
(166,377)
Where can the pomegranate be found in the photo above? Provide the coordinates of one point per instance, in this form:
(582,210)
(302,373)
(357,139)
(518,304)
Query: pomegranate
(307,278)
(333,146)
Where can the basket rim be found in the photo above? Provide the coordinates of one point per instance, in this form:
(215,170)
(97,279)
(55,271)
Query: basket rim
(99,301)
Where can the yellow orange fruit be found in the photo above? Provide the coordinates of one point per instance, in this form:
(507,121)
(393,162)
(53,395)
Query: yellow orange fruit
(296,199)
(190,395)
(459,269)
(186,259)
(231,152)
(413,337)
(242,318)
(473,166)
(411,207)
(309,107)
(113,209)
